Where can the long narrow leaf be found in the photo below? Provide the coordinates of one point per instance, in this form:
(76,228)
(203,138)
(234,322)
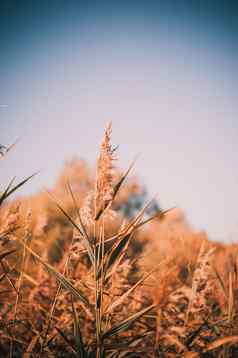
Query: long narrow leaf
(12,145)
(116,253)
(220,282)
(125,325)
(124,176)
(8,191)
(31,346)
(221,342)
(77,209)
(133,224)
(115,191)
(87,243)
(59,277)
(77,333)
(160,214)
(6,253)
(21,184)
(131,289)
(67,341)
(4,194)
(85,236)
(112,255)
(122,233)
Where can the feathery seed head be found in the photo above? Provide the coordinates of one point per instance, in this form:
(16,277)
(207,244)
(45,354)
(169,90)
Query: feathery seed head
(105,170)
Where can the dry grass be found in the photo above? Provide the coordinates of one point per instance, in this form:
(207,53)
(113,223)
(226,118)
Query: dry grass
(87,270)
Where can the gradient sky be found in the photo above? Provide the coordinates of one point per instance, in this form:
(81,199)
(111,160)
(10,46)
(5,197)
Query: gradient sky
(164,72)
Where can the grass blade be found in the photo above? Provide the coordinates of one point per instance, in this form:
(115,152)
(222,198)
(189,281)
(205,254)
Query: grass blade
(21,184)
(125,325)
(115,191)
(4,194)
(60,278)
(67,341)
(8,191)
(77,333)
(132,288)
(113,255)
(86,242)
(6,253)
(222,341)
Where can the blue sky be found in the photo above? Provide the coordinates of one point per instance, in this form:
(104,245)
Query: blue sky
(165,73)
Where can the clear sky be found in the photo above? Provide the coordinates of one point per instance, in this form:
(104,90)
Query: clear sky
(164,72)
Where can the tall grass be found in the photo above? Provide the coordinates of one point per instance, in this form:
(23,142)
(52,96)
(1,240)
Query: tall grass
(122,286)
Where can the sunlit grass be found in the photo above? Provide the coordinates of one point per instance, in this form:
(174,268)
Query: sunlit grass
(79,278)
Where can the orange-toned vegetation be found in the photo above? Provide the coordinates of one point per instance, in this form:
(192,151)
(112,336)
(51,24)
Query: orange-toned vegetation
(88,269)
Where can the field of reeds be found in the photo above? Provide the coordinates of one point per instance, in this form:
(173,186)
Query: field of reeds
(90,268)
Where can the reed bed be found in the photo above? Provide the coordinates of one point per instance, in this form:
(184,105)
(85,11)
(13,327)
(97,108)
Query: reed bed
(89,269)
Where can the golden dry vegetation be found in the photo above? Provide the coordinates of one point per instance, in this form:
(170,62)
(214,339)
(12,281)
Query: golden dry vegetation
(90,269)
